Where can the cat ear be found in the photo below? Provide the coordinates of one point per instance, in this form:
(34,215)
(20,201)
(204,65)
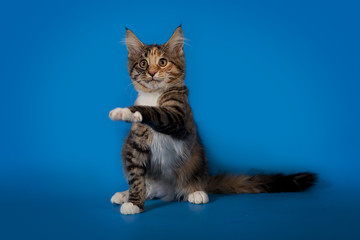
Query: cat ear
(133,44)
(176,42)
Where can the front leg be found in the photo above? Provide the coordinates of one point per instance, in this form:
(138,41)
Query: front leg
(124,114)
(136,196)
(135,155)
(170,120)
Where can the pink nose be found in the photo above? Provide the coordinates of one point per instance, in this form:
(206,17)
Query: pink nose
(152,73)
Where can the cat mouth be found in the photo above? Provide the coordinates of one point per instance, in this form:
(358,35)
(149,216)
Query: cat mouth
(152,80)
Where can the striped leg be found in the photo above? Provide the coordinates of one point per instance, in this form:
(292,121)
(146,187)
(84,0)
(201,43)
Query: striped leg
(169,120)
(192,177)
(135,157)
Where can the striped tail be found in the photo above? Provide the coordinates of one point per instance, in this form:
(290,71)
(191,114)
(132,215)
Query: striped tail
(229,184)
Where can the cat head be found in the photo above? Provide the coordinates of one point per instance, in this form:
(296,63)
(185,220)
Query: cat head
(156,67)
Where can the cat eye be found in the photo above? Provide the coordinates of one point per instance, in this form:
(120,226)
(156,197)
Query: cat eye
(162,62)
(143,64)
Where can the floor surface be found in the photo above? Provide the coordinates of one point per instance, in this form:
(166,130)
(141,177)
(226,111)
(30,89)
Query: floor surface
(47,214)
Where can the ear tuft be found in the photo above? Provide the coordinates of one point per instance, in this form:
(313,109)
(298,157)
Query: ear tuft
(176,42)
(133,44)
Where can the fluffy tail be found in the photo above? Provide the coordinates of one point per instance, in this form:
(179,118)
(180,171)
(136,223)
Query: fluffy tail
(228,184)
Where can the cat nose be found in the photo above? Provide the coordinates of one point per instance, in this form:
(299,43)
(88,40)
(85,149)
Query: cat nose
(152,73)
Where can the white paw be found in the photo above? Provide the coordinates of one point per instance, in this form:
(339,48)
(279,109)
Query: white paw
(129,208)
(120,197)
(198,197)
(124,114)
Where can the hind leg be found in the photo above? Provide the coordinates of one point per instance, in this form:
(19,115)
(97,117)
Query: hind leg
(198,197)
(193,177)
(120,197)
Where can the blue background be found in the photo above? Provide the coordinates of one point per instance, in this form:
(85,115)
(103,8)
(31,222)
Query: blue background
(274,87)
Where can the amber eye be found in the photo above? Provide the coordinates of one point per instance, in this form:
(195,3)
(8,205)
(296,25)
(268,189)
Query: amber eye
(143,64)
(162,62)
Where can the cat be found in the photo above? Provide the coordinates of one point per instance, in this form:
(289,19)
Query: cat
(163,156)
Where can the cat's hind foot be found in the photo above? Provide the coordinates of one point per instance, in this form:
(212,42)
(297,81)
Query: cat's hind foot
(120,197)
(198,197)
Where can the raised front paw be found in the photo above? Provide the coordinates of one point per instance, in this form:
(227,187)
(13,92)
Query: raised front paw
(124,114)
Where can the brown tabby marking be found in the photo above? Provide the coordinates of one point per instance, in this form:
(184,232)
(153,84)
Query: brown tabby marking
(162,155)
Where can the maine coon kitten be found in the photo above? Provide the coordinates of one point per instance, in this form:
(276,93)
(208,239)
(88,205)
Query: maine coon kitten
(162,155)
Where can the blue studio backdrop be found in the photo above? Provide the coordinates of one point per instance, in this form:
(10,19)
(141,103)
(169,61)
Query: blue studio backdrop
(274,87)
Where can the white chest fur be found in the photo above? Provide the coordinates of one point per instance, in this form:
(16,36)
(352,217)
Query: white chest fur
(165,150)
(147,99)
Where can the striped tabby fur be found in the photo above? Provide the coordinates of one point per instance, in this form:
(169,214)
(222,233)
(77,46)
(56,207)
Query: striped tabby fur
(163,156)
